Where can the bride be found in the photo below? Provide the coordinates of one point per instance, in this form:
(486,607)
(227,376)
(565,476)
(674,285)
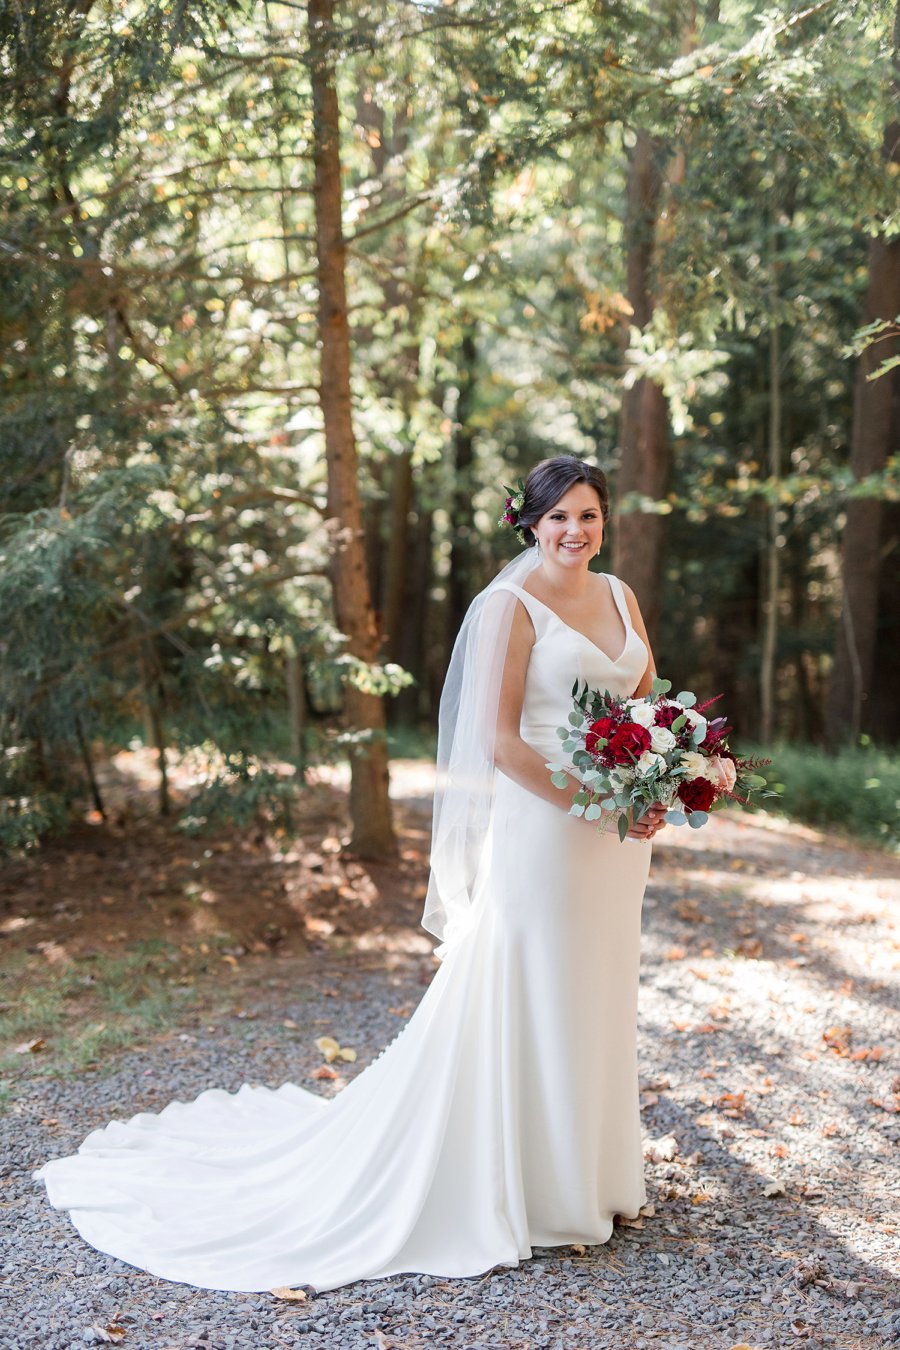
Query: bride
(504,1115)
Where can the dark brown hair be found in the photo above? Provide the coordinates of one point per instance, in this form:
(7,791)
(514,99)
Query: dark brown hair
(550,480)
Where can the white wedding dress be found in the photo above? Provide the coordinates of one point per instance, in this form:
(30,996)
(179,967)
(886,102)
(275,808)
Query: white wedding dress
(503,1116)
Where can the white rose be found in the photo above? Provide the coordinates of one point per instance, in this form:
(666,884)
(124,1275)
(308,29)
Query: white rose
(695,766)
(649,761)
(661,739)
(643,714)
(695,720)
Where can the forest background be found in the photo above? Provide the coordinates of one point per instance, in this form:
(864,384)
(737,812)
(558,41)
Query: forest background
(289,291)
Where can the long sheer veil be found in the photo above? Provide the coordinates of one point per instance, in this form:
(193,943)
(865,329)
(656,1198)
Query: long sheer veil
(467,724)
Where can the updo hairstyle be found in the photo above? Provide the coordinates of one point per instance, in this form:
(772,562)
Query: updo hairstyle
(549,481)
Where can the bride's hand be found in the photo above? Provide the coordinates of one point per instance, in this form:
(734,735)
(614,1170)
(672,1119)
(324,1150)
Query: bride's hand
(650,823)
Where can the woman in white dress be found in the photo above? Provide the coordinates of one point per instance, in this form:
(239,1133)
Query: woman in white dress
(504,1115)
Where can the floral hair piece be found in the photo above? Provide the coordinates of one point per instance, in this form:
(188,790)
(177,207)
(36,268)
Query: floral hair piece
(515,504)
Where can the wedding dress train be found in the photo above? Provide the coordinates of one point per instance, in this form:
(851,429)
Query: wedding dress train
(504,1115)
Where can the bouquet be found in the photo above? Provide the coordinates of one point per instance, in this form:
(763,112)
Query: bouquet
(632,753)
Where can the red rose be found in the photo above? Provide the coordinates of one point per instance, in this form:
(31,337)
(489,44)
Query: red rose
(666,715)
(697,795)
(628,743)
(599,730)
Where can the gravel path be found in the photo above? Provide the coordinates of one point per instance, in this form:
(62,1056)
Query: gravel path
(770,1095)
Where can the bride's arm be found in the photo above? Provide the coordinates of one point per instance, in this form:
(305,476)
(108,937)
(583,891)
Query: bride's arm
(512,755)
(639,627)
(655,813)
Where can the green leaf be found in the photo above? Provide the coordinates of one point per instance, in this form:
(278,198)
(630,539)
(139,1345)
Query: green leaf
(660,686)
(581,798)
(622,828)
(555,768)
(562,733)
(577,809)
(560,780)
(686,698)
(678,724)
(575,719)
(697,818)
(594,811)
(673,817)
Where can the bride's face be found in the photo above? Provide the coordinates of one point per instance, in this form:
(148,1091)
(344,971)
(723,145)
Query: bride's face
(571,532)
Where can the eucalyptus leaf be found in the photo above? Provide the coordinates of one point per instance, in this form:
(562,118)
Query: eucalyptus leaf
(593,812)
(575,719)
(686,698)
(675,818)
(560,780)
(678,723)
(577,809)
(660,686)
(697,818)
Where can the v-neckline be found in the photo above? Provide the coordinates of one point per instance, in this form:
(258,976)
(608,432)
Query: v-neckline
(559,619)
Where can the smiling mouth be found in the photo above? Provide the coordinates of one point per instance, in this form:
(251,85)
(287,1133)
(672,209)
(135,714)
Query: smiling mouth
(573,548)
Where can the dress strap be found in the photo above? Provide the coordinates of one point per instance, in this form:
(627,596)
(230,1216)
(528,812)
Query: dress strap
(537,611)
(615,586)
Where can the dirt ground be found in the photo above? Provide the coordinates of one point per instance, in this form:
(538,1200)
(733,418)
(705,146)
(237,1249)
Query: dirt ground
(140,964)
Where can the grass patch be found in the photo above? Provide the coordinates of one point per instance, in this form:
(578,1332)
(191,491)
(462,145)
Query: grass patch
(88,1007)
(855,792)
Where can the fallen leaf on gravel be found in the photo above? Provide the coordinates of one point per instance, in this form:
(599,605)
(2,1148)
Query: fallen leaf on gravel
(868,1052)
(289,1295)
(290,1024)
(796,1119)
(381,1340)
(661,1150)
(675,954)
(31,1047)
(324,1071)
(331,1050)
(800,1328)
(733,1104)
(743,1346)
(892,1108)
(108,1335)
(579,1249)
(649,1099)
(810,1270)
(838,1039)
(774,1188)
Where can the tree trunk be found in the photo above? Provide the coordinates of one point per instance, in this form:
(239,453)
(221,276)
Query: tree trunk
(870,532)
(644,445)
(459,589)
(773,546)
(373,834)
